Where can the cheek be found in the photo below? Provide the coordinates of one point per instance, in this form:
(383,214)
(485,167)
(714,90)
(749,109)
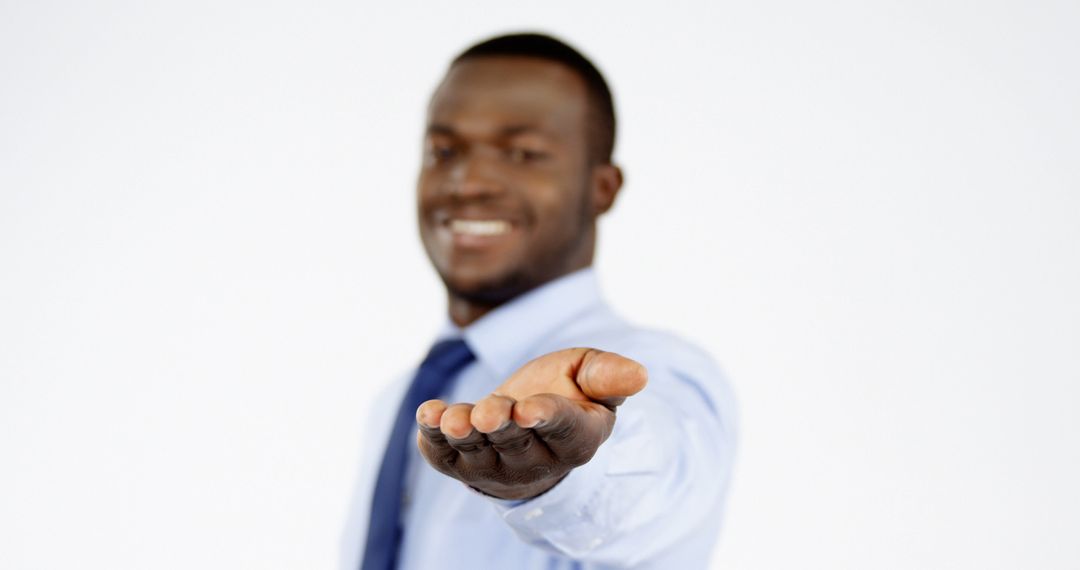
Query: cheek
(562,208)
(427,200)
(424,190)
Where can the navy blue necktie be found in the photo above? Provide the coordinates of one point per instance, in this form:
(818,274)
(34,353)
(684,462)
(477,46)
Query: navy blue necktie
(438,370)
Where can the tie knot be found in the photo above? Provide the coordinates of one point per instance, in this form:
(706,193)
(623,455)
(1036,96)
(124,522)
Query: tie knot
(448,355)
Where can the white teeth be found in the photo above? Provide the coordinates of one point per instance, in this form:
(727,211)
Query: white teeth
(480,227)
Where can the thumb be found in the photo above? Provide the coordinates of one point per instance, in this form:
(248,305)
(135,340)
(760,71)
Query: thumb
(609,378)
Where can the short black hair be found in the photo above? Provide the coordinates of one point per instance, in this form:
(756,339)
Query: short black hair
(601,128)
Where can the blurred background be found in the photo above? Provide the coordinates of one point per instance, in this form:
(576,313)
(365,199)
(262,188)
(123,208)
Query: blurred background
(868,212)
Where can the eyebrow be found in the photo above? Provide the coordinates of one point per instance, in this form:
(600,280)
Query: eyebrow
(507,131)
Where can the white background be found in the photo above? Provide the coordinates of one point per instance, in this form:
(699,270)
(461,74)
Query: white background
(869,212)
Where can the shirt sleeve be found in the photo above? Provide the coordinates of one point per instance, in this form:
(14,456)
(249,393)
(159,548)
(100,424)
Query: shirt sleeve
(655,483)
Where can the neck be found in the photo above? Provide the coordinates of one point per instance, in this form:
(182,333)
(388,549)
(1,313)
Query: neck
(465,311)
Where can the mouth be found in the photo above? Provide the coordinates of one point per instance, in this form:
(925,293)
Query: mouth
(485,228)
(474,233)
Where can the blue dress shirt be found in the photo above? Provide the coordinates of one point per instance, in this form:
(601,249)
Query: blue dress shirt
(652,496)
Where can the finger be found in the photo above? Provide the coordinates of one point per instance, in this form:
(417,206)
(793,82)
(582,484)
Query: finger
(609,378)
(455,423)
(429,414)
(430,439)
(475,458)
(517,446)
(570,429)
(492,413)
(524,459)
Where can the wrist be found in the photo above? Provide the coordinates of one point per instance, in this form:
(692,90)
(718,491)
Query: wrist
(517,492)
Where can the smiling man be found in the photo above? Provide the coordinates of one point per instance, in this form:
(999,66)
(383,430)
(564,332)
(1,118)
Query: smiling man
(542,431)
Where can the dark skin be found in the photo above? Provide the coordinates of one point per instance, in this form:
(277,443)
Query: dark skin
(508,198)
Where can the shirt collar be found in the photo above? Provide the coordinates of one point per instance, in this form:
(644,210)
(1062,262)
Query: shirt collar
(503,338)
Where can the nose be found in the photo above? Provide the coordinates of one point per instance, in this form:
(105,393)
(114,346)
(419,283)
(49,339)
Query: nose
(475,175)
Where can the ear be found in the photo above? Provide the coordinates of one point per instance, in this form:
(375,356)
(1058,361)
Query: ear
(607,179)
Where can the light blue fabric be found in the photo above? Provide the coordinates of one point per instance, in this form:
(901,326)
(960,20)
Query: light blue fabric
(653,495)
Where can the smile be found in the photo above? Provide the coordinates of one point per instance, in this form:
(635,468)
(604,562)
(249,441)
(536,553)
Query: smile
(479,227)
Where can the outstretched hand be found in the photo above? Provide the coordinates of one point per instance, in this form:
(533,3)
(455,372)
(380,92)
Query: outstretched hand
(547,418)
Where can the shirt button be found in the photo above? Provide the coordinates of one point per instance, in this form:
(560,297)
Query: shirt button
(533,514)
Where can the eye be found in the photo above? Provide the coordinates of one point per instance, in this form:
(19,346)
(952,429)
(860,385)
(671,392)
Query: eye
(441,152)
(523,155)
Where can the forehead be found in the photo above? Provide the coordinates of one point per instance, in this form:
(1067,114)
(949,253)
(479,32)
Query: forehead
(496,91)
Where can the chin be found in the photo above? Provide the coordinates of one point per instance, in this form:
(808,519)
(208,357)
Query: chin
(489,290)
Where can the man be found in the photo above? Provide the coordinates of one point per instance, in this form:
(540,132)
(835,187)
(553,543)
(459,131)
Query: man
(530,468)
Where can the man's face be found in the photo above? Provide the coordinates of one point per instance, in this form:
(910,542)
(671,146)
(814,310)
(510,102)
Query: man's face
(504,193)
